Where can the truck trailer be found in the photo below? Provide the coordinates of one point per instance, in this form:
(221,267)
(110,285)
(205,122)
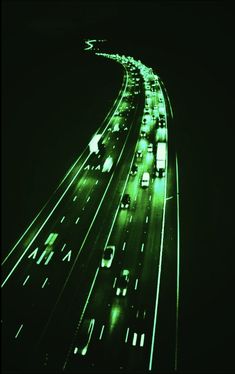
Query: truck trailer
(161,159)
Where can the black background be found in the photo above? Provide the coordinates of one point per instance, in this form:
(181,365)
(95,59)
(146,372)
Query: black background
(54,97)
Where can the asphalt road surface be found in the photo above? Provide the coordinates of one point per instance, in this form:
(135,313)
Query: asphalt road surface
(62,284)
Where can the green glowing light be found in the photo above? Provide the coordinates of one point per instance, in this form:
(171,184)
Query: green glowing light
(107,164)
(51,238)
(94,143)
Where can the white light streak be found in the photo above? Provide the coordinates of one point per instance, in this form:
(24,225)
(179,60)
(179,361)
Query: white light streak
(18,331)
(44,282)
(127,333)
(101,333)
(26,279)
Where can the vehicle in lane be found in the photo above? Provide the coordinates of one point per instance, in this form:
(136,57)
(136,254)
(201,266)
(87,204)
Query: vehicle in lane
(150,147)
(145,179)
(84,336)
(108,256)
(143,134)
(122,282)
(125,202)
(139,154)
(134,169)
(161,134)
(161,159)
(107,165)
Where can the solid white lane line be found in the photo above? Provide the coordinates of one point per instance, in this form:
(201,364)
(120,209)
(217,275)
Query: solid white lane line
(88,199)
(178,266)
(125,79)
(44,282)
(77,220)
(18,331)
(75,197)
(115,280)
(134,339)
(97,182)
(130,218)
(136,283)
(142,340)
(26,279)
(147,218)
(142,247)
(150,197)
(123,247)
(62,219)
(49,257)
(38,232)
(127,333)
(63,247)
(159,270)
(101,333)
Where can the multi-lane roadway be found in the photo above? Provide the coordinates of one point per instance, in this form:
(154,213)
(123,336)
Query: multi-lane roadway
(62,310)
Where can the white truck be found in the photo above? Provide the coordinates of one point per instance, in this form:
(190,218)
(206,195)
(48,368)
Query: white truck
(161,159)
(161,134)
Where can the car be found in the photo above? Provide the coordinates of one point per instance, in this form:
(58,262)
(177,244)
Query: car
(134,169)
(145,179)
(122,283)
(84,336)
(162,122)
(125,202)
(108,256)
(150,147)
(139,154)
(143,134)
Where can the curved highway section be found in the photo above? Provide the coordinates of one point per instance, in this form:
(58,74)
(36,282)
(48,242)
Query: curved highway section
(97,271)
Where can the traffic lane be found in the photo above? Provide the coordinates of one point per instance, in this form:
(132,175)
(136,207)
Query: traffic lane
(50,223)
(100,252)
(116,311)
(165,359)
(81,196)
(141,297)
(48,206)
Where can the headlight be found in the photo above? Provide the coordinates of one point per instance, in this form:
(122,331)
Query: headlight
(84,351)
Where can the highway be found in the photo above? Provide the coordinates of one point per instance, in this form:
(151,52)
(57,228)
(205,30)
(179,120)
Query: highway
(55,266)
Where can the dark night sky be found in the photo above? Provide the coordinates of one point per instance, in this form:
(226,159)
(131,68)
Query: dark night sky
(50,89)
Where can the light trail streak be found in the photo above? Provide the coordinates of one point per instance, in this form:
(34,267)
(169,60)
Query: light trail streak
(101,332)
(44,282)
(127,333)
(26,279)
(19,330)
